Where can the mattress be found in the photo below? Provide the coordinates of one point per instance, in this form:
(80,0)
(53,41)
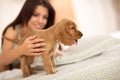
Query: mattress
(94,58)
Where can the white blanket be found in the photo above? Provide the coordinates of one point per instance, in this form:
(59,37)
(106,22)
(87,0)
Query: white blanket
(97,59)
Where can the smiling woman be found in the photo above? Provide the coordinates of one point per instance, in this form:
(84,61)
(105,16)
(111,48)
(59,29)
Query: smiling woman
(39,18)
(34,15)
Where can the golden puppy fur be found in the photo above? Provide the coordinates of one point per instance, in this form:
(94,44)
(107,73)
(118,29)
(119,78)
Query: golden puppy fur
(65,31)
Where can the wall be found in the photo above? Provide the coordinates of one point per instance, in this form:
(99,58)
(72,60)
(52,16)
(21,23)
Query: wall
(116,6)
(93,17)
(63,8)
(9,9)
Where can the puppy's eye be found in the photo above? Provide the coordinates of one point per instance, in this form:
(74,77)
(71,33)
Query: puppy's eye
(72,28)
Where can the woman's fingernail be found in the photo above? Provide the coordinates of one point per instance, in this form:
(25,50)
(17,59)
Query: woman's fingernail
(43,49)
(41,39)
(34,36)
(39,53)
(44,44)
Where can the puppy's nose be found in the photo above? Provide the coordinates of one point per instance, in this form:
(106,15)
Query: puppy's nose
(81,34)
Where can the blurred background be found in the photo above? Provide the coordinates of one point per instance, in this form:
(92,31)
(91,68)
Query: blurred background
(93,17)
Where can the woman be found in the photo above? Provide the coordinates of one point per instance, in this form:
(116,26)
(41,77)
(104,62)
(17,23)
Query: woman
(35,15)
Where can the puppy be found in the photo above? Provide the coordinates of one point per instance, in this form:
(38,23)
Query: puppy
(65,32)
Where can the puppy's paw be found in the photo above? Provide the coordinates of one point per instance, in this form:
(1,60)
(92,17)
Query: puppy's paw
(53,71)
(28,73)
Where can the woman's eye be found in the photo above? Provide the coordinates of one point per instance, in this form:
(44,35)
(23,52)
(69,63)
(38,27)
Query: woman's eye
(45,17)
(35,14)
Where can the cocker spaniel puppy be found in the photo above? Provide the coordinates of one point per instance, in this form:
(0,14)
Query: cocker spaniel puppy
(65,32)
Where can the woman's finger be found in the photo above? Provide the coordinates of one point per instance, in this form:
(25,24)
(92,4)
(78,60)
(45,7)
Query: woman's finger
(35,54)
(32,37)
(37,45)
(37,50)
(37,41)
(29,39)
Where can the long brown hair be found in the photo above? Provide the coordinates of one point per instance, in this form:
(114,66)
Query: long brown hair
(28,10)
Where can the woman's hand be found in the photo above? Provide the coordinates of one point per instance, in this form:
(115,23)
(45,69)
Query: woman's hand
(33,46)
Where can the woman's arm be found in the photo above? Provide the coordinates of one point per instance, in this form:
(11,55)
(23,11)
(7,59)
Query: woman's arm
(2,67)
(29,48)
(8,53)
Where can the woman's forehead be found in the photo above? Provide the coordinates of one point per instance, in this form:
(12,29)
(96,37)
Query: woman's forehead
(41,8)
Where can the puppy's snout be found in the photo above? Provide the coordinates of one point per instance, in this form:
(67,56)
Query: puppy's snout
(80,34)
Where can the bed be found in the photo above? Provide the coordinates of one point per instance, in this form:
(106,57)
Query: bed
(94,58)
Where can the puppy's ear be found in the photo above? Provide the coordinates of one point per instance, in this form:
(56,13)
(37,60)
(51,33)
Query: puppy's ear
(62,33)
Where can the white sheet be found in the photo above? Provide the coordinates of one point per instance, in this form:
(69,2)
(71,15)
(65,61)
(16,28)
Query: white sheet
(88,65)
(103,67)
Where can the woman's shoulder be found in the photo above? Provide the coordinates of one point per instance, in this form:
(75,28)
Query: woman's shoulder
(11,32)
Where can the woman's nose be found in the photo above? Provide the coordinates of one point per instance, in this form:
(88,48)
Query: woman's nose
(40,19)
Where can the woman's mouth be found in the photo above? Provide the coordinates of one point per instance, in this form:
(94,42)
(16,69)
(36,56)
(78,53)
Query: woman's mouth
(38,26)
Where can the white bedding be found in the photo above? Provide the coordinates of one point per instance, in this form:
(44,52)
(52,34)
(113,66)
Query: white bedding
(96,58)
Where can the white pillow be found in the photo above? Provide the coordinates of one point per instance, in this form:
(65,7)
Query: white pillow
(87,48)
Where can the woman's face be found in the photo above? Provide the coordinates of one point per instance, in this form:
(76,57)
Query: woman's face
(39,18)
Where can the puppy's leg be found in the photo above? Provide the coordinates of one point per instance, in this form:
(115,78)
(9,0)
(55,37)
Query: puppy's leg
(53,63)
(25,66)
(29,62)
(48,66)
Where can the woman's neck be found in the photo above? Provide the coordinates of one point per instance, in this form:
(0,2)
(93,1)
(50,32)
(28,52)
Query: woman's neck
(24,30)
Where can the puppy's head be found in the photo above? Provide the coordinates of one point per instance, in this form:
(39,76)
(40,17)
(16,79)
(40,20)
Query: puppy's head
(67,32)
